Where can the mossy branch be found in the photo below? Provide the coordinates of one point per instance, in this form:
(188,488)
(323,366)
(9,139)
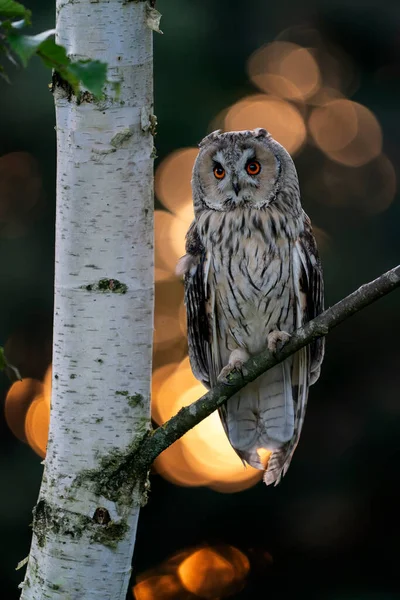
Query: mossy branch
(141,459)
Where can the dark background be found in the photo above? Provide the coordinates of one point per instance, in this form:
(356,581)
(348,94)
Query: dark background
(332,527)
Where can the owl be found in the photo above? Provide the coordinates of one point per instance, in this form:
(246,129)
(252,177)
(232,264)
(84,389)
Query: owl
(252,276)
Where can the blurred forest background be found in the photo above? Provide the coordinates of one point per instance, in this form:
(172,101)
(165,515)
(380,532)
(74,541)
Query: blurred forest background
(323,76)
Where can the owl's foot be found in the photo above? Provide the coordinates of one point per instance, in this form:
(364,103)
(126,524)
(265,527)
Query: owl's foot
(276,336)
(237,359)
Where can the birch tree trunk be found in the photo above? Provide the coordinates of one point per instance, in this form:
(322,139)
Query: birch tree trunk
(84,532)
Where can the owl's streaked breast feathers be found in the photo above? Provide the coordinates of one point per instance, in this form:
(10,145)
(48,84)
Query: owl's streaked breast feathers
(252,269)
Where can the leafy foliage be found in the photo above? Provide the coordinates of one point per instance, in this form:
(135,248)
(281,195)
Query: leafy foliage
(25,46)
(14,10)
(92,74)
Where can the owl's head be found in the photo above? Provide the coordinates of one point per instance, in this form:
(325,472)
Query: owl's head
(240,169)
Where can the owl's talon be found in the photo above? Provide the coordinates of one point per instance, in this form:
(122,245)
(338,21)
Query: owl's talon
(236,361)
(240,368)
(276,339)
(223,377)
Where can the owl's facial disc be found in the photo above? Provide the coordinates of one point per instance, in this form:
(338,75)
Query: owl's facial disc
(239,175)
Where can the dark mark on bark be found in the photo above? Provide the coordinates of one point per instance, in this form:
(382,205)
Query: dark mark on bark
(106,285)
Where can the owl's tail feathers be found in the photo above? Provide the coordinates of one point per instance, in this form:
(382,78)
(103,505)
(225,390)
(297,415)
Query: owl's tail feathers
(279,461)
(274,463)
(275,468)
(260,418)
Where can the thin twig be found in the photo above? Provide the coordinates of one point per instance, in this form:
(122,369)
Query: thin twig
(191,415)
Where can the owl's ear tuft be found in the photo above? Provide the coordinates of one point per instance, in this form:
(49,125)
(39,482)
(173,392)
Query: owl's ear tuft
(260,132)
(211,137)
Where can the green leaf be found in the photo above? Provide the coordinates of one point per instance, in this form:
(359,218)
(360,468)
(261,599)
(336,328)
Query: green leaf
(12,10)
(92,74)
(27,45)
(70,78)
(52,54)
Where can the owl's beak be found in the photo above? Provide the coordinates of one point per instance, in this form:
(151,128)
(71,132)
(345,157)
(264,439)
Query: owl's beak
(236,186)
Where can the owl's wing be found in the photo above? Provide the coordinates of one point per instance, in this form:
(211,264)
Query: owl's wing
(306,366)
(195,267)
(312,286)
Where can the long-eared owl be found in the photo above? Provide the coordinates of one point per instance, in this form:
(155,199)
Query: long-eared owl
(252,276)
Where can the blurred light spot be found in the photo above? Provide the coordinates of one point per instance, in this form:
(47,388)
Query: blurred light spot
(283,121)
(172,465)
(182,318)
(337,69)
(203,456)
(37,425)
(334,125)
(347,132)
(184,365)
(158,379)
(285,69)
(171,353)
(171,564)
(369,189)
(166,391)
(27,411)
(47,383)
(166,328)
(18,400)
(186,212)
(208,572)
(162,274)
(211,573)
(179,383)
(172,180)
(237,558)
(170,234)
(173,189)
(168,297)
(20,192)
(160,587)
(324,95)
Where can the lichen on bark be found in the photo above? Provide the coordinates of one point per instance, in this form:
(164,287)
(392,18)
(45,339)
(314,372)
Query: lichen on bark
(117,478)
(106,285)
(48,520)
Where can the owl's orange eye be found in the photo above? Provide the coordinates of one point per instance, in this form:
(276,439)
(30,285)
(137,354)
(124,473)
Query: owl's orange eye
(219,172)
(253,167)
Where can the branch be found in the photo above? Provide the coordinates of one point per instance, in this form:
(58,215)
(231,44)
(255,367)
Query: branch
(189,416)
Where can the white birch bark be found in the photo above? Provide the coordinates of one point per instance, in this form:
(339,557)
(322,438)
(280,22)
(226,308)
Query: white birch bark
(84,533)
